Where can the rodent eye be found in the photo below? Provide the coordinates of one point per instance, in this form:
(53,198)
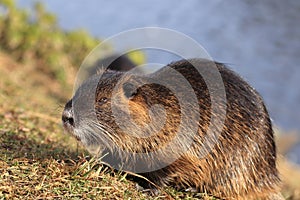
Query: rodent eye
(103,100)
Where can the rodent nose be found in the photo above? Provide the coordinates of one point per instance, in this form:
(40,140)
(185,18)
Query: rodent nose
(67,115)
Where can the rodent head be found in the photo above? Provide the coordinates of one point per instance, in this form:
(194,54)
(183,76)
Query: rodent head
(127,110)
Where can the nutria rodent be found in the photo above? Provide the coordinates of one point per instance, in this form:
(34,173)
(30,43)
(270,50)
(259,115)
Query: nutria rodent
(236,161)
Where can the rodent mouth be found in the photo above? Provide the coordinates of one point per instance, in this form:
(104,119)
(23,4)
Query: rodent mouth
(70,129)
(77,137)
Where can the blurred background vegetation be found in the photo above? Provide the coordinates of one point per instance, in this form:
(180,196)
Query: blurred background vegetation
(36,37)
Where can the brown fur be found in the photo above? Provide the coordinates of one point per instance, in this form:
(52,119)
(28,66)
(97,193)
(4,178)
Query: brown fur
(242,164)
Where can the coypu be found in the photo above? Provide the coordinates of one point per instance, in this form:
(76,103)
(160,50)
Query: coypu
(237,160)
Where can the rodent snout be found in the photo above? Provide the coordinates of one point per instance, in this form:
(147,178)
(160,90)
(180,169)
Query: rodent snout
(67,116)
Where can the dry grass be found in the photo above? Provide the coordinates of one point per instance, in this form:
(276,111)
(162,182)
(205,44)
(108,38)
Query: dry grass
(39,161)
(290,173)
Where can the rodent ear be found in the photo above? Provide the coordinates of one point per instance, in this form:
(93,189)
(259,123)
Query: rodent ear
(129,90)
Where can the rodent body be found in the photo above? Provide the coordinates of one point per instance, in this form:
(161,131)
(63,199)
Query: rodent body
(240,165)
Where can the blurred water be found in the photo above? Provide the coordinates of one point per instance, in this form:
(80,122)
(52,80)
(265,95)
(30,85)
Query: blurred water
(259,39)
